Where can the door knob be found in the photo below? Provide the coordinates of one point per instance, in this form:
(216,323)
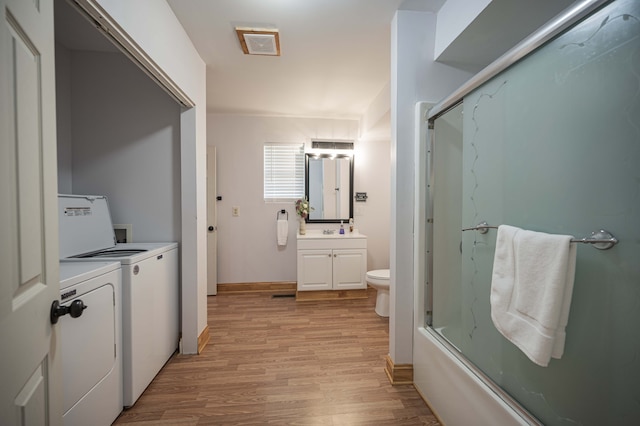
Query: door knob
(212,228)
(75,309)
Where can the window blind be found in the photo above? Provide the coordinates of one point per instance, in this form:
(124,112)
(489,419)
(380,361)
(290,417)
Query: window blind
(283,171)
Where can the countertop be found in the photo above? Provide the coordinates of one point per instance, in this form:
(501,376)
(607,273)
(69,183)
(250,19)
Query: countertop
(313,234)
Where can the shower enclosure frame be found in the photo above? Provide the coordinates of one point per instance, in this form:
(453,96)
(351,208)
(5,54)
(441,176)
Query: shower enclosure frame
(426,114)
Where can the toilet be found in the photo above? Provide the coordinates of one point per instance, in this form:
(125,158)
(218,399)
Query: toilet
(379,279)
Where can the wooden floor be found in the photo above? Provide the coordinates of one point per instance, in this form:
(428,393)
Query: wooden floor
(272,360)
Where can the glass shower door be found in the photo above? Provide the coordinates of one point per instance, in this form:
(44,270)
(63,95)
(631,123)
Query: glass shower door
(551,144)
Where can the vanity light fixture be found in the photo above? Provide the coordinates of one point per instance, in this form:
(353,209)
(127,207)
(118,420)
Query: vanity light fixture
(332,145)
(256,41)
(319,153)
(331,149)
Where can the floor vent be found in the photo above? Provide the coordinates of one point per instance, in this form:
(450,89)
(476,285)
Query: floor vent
(273,296)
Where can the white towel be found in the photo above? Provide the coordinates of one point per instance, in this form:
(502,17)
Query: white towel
(531,288)
(282,231)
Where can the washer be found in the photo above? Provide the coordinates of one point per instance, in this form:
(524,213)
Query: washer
(91,344)
(150,287)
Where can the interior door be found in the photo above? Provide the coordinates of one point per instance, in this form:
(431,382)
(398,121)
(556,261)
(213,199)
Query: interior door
(212,223)
(29,283)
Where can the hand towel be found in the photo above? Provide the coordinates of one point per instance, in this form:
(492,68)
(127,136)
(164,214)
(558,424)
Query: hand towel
(282,231)
(531,288)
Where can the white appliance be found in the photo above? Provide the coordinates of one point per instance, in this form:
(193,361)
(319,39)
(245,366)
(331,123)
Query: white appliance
(150,286)
(91,342)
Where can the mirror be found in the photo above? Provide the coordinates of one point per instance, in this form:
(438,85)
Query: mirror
(329,187)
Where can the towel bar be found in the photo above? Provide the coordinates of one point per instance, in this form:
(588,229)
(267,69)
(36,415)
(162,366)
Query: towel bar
(602,240)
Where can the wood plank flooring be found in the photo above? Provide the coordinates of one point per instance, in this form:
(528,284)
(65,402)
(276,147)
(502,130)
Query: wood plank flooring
(275,361)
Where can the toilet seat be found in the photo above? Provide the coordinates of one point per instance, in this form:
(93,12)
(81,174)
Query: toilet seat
(378,276)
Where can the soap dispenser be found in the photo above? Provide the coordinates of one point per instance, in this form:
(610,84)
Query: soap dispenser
(342,227)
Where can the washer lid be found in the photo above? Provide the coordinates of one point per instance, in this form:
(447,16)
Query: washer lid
(85,224)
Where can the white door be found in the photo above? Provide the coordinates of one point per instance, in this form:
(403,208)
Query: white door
(30,381)
(212,223)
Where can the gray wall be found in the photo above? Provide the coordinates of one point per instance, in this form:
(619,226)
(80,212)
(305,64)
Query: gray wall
(63,118)
(119,136)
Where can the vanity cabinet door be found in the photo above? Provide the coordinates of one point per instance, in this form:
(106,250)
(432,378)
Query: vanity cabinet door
(314,270)
(349,269)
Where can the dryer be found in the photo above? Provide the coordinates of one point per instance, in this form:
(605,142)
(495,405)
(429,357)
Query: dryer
(91,344)
(150,286)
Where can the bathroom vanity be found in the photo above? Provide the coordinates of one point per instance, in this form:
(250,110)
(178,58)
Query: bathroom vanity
(331,265)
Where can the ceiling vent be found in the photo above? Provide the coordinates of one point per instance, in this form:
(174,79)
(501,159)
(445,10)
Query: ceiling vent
(259,42)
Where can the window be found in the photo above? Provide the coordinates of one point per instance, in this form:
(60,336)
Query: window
(283,171)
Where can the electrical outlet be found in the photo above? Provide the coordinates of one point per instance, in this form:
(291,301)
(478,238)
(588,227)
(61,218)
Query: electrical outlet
(235,211)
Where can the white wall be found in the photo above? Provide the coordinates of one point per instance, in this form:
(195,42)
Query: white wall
(373,176)
(414,77)
(247,249)
(125,133)
(372,218)
(155,28)
(375,120)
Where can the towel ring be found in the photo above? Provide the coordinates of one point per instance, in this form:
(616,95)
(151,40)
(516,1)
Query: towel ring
(601,240)
(283,211)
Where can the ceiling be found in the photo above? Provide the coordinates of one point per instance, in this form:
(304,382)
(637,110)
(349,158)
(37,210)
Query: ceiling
(335,54)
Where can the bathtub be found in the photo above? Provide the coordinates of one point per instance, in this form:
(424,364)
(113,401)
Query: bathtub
(455,393)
